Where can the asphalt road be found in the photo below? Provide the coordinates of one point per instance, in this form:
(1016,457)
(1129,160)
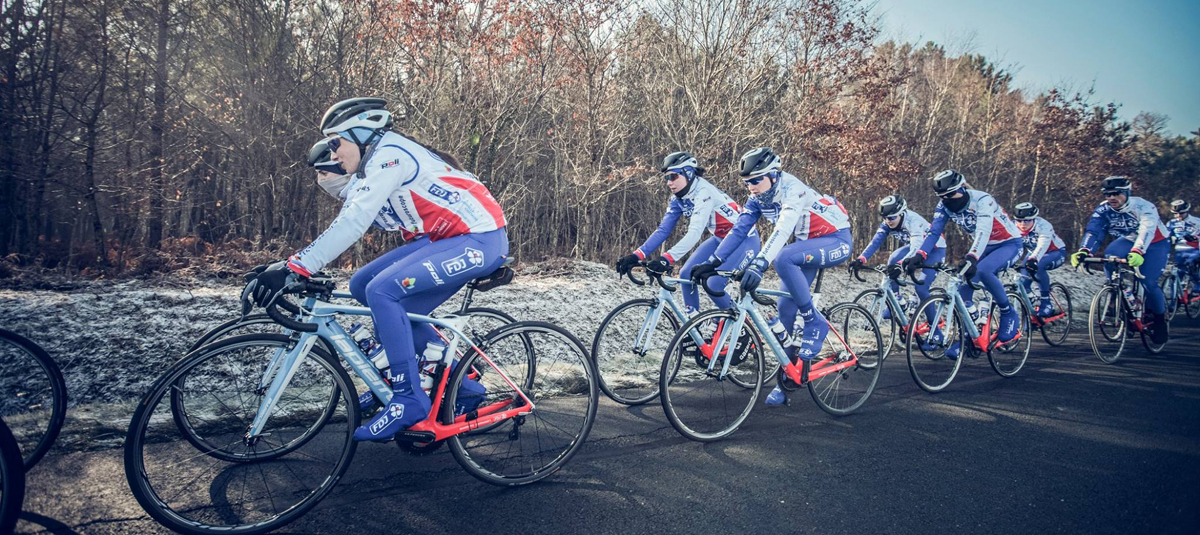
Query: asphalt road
(1070,445)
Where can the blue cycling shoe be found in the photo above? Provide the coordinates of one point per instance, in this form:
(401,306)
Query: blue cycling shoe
(367,401)
(954,350)
(777,397)
(887,312)
(1009,328)
(1046,308)
(816,328)
(933,341)
(405,409)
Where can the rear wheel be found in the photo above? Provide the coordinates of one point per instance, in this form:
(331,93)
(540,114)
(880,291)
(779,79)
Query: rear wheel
(875,304)
(1055,329)
(33,395)
(1007,360)
(560,382)
(1189,291)
(1169,285)
(1107,324)
(853,337)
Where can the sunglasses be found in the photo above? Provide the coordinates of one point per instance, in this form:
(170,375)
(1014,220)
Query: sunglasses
(754,181)
(671,176)
(892,217)
(1113,193)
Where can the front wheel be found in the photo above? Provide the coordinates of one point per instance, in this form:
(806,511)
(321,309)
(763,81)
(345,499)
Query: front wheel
(560,382)
(1169,285)
(628,349)
(1108,327)
(1055,329)
(33,395)
(875,304)
(855,338)
(701,403)
(245,486)
(935,344)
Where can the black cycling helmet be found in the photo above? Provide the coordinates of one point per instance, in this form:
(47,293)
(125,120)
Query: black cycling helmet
(369,113)
(677,161)
(1025,211)
(892,205)
(1116,184)
(1180,206)
(947,182)
(319,158)
(759,162)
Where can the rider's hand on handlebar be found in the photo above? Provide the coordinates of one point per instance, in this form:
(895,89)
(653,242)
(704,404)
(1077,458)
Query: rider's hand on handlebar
(1135,259)
(1078,256)
(753,275)
(659,265)
(1031,265)
(858,263)
(625,264)
(968,267)
(895,271)
(701,272)
(913,263)
(269,283)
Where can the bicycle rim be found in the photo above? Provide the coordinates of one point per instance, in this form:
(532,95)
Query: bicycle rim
(1056,331)
(873,302)
(853,336)
(629,374)
(701,405)
(932,361)
(33,395)
(563,388)
(1107,328)
(1007,360)
(191,490)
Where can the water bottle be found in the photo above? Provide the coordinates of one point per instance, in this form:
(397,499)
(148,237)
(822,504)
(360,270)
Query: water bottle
(371,347)
(1135,304)
(435,352)
(779,330)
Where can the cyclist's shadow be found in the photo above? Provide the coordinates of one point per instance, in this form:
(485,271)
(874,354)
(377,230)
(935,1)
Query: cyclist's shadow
(48,525)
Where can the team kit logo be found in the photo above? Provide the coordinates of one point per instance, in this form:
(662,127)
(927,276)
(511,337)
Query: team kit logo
(451,197)
(468,260)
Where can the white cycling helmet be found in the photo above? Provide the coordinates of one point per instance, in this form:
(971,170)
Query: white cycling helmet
(759,162)
(367,113)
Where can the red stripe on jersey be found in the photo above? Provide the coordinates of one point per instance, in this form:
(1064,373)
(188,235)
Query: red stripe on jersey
(999,233)
(1158,236)
(481,194)
(1052,248)
(724,225)
(818,226)
(439,222)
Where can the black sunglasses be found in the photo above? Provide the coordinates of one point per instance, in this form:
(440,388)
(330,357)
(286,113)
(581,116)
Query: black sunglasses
(754,181)
(1113,193)
(334,143)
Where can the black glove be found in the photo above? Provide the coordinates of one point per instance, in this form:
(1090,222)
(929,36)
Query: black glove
(701,272)
(913,263)
(659,265)
(968,267)
(625,264)
(255,272)
(857,264)
(270,282)
(895,271)
(753,275)
(1031,266)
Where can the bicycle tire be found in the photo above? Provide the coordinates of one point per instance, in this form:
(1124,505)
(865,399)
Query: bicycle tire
(1168,284)
(554,388)
(675,358)
(137,440)
(1098,325)
(227,328)
(875,297)
(12,480)
(866,346)
(926,379)
(34,450)
(1061,297)
(1022,345)
(1193,301)
(607,373)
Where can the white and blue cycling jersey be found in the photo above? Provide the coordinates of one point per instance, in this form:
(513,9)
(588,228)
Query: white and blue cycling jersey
(1042,239)
(1136,221)
(705,206)
(1186,231)
(795,209)
(982,218)
(912,230)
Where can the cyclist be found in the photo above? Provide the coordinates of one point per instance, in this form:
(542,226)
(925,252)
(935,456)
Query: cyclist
(911,229)
(821,227)
(456,232)
(1184,229)
(995,245)
(1046,251)
(331,177)
(707,207)
(1140,237)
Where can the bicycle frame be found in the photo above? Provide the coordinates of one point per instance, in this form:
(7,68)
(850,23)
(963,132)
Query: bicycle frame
(649,325)
(978,338)
(747,308)
(283,366)
(1116,279)
(1027,299)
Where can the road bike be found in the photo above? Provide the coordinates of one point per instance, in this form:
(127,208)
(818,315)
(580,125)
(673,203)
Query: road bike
(945,331)
(268,454)
(1179,292)
(1117,309)
(710,386)
(1056,328)
(883,298)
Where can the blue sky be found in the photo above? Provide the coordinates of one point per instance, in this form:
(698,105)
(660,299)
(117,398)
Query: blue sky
(1144,55)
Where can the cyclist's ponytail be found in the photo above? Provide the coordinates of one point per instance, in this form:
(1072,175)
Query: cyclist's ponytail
(445,156)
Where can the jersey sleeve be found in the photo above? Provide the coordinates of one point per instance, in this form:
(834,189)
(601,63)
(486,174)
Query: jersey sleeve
(936,228)
(877,241)
(1045,234)
(1148,223)
(702,213)
(741,228)
(670,219)
(1095,230)
(363,202)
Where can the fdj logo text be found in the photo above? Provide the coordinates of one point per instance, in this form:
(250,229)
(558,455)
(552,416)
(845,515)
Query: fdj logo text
(451,197)
(470,259)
